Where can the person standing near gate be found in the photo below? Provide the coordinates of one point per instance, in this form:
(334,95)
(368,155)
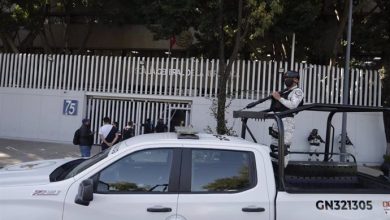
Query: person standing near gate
(128,131)
(290,99)
(85,138)
(108,134)
(161,127)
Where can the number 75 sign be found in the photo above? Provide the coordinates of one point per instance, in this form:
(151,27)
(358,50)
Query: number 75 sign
(70,107)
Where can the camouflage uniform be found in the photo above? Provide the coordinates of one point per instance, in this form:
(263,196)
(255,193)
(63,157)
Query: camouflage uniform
(289,100)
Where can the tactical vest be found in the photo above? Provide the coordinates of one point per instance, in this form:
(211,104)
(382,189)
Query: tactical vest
(276,106)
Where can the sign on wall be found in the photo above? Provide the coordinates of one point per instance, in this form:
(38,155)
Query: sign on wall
(70,107)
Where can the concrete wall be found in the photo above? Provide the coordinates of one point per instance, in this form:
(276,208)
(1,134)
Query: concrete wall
(37,115)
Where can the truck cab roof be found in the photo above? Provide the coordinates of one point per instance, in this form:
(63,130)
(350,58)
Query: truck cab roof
(201,139)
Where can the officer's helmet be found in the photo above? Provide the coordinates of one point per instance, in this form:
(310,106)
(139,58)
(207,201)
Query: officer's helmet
(291,74)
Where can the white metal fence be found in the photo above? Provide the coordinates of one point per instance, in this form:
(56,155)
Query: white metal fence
(181,77)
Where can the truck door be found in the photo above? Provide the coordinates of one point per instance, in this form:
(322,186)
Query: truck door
(139,186)
(222,184)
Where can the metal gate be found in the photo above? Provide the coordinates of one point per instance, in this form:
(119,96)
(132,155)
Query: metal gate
(123,110)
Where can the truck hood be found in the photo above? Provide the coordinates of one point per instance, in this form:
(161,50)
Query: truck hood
(30,173)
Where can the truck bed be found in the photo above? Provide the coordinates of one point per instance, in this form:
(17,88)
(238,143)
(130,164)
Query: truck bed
(331,177)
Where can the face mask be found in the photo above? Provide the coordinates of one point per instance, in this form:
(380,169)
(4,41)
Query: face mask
(289,82)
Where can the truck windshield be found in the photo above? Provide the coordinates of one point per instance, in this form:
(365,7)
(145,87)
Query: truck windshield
(87,163)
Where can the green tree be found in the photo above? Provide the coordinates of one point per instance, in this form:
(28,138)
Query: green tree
(17,15)
(221,27)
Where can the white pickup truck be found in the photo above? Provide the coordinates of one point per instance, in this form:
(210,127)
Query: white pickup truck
(162,176)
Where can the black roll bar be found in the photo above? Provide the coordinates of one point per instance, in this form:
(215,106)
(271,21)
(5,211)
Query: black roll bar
(277,116)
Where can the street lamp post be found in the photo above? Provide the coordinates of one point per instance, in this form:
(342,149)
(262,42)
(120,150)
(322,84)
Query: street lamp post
(346,82)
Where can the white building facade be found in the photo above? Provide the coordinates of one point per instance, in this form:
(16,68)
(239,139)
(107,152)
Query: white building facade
(45,97)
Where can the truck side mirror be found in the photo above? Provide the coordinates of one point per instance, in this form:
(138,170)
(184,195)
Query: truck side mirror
(85,194)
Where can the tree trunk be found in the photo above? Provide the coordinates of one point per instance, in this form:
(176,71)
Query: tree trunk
(224,70)
(339,35)
(8,42)
(221,125)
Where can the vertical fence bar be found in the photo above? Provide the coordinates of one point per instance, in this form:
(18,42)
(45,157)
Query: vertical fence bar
(265,79)
(318,83)
(28,71)
(217,78)
(242,76)
(323,84)
(23,73)
(211,78)
(40,71)
(118,73)
(111,74)
(181,72)
(81,73)
(156,72)
(370,88)
(162,71)
(269,77)
(88,74)
(357,84)
(188,76)
(19,73)
(376,86)
(34,77)
(238,76)
(206,84)
(168,82)
(14,70)
(68,66)
(351,87)
(2,65)
(258,79)
(315,81)
(96,72)
(146,75)
(310,86)
(196,75)
(232,93)
(75,74)
(59,72)
(132,82)
(7,70)
(103,83)
(128,73)
(379,92)
(201,78)
(361,76)
(366,82)
(122,74)
(333,84)
(170,76)
(141,89)
(248,76)
(175,73)
(151,72)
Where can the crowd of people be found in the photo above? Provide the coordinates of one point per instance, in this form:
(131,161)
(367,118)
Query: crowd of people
(110,133)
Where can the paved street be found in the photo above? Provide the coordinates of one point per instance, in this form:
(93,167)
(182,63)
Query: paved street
(16,151)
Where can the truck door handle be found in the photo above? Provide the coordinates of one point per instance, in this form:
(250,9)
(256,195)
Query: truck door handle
(159,209)
(253,209)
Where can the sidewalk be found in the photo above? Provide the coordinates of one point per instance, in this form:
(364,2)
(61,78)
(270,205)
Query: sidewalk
(17,151)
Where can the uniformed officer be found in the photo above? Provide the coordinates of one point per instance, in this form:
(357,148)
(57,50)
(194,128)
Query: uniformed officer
(290,99)
(314,140)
